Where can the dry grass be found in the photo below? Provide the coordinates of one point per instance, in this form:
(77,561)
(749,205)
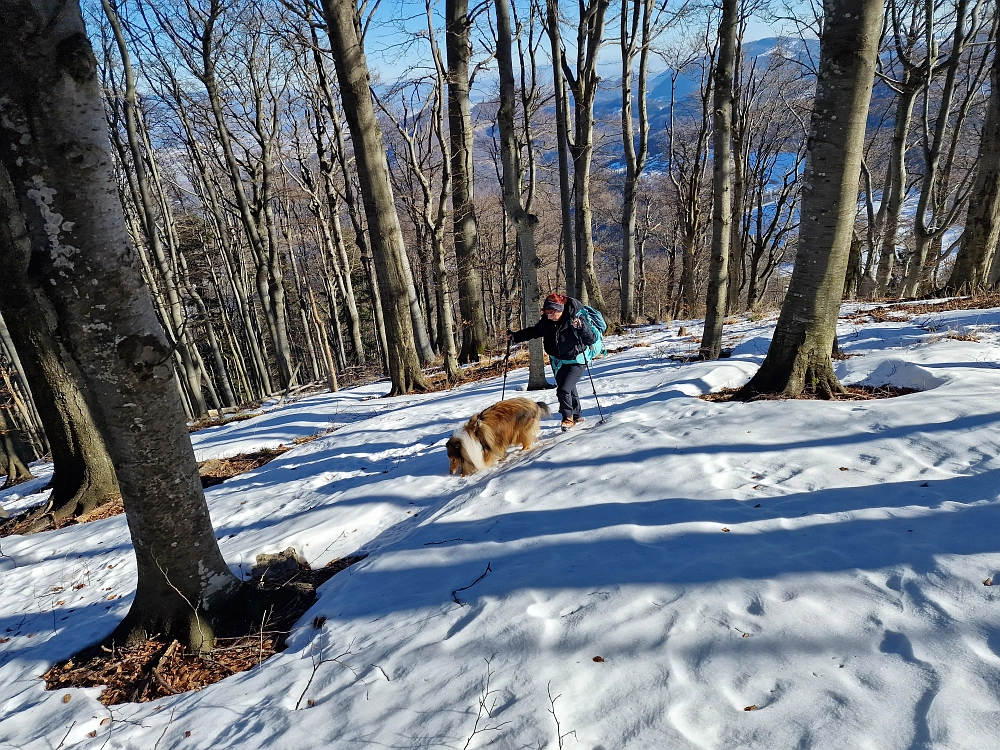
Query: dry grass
(964,335)
(898,312)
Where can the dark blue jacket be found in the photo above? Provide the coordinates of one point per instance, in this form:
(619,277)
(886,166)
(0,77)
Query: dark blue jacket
(562,340)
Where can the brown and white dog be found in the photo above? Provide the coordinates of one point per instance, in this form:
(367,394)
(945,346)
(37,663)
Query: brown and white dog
(484,439)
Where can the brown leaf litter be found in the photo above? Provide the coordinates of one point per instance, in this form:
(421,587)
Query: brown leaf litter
(156,668)
(851,393)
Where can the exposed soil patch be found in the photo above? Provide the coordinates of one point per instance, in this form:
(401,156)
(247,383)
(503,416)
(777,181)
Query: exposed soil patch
(852,393)
(156,669)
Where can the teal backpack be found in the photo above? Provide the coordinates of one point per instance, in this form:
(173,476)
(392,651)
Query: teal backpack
(597,349)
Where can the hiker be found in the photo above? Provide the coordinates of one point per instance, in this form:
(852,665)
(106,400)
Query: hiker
(568,334)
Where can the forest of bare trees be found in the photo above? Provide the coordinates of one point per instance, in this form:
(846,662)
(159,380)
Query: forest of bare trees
(297,214)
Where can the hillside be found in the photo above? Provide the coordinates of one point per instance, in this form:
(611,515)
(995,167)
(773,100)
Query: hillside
(690,574)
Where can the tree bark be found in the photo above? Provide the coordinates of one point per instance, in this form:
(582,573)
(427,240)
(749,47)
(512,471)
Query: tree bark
(458,49)
(590,35)
(567,243)
(83,476)
(981,235)
(524,222)
(634,40)
(63,233)
(926,229)
(799,355)
(14,454)
(894,188)
(376,192)
(722,184)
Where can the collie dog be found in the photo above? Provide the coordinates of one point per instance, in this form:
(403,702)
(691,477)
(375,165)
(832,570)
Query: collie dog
(485,438)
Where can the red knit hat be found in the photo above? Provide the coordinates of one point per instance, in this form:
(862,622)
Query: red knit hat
(555,302)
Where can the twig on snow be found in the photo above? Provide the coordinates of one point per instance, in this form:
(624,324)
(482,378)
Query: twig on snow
(552,710)
(484,699)
(454,594)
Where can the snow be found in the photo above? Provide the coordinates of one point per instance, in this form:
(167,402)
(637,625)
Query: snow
(822,562)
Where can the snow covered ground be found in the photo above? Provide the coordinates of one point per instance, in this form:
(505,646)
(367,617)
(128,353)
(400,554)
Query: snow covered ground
(647,581)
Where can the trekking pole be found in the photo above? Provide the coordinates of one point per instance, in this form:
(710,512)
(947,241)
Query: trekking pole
(505,359)
(599,410)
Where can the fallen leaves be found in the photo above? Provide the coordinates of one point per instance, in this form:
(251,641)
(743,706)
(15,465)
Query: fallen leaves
(725,529)
(988,581)
(750,708)
(154,669)
(599,659)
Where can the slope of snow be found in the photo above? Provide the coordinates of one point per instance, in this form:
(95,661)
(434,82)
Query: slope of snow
(822,562)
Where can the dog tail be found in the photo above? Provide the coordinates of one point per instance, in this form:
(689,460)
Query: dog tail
(543,408)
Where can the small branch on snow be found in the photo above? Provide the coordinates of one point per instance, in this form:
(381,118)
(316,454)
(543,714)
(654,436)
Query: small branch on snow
(484,698)
(552,710)
(454,594)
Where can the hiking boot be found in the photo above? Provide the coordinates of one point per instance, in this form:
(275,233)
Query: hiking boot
(567,424)
(578,420)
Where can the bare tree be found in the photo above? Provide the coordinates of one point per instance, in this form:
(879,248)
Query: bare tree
(935,212)
(61,211)
(343,27)
(524,222)
(978,245)
(458,47)
(567,242)
(636,36)
(799,355)
(583,82)
(722,183)
(687,160)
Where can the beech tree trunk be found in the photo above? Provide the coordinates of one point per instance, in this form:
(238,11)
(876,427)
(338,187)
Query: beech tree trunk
(981,235)
(566,241)
(590,35)
(799,355)
(14,454)
(83,476)
(636,29)
(524,222)
(64,234)
(895,185)
(458,49)
(376,192)
(930,222)
(722,184)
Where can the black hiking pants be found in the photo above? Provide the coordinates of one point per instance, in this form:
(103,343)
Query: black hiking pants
(566,380)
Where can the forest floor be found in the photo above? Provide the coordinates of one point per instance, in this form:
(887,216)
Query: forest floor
(687,574)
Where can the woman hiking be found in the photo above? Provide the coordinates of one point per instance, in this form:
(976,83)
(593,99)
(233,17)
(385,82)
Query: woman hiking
(567,334)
